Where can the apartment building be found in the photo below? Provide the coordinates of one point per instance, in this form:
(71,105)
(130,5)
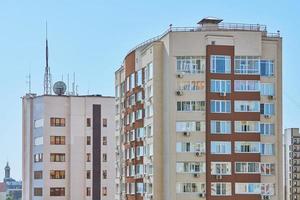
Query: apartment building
(292,163)
(68,147)
(198,115)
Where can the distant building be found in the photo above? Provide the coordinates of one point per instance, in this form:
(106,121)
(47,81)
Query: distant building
(68,147)
(10,187)
(292,163)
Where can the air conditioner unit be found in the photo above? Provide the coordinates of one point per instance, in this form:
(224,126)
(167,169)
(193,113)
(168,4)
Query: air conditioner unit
(267,116)
(202,195)
(223,94)
(265,197)
(270,97)
(179,75)
(179,93)
(219,177)
(197,153)
(186,133)
(196,175)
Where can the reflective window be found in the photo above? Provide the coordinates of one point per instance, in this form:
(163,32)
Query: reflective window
(220,86)
(220,106)
(220,64)
(190,64)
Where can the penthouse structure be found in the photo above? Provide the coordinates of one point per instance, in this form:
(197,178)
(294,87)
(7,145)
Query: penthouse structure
(199,115)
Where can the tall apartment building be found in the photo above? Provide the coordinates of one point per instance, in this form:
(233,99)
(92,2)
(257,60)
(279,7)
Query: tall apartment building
(292,163)
(68,147)
(199,115)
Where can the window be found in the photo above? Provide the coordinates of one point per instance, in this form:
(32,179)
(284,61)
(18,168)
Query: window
(189,106)
(190,187)
(88,157)
(104,174)
(190,167)
(104,120)
(148,130)
(104,191)
(220,64)
(191,85)
(88,191)
(267,129)
(246,86)
(247,147)
(267,169)
(38,174)
(139,77)
(149,72)
(267,108)
(117,91)
(220,189)
(38,157)
(247,188)
(185,147)
(267,149)
(220,147)
(246,106)
(266,68)
(38,123)
(104,157)
(57,174)
(190,64)
(140,188)
(60,122)
(139,97)
(57,157)
(88,140)
(221,168)
(57,140)
(140,132)
(267,89)
(220,106)
(149,91)
(38,192)
(88,122)
(267,189)
(88,174)
(220,127)
(139,114)
(38,140)
(246,126)
(246,65)
(57,191)
(247,167)
(220,86)
(190,126)
(104,140)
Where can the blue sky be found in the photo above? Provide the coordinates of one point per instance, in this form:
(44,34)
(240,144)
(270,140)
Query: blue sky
(91,38)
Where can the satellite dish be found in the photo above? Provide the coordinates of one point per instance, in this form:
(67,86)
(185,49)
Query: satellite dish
(59,88)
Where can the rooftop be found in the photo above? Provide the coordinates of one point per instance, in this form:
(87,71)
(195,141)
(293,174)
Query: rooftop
(213,24)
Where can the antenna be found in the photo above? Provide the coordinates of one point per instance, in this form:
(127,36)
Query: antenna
(68,90)
(29,82)
(47,74)
(73,84)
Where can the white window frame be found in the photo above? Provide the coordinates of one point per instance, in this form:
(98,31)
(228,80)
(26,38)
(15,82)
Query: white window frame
(224,127)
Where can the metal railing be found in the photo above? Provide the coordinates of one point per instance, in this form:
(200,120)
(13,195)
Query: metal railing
(218,27)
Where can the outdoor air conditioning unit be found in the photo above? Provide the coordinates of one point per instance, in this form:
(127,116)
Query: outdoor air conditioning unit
(196,175)
(179,75)
(219,177)
(202,195)
(179,93)
(223,94)
(197,154)
(265,197)
(270,97)
(186,133)
(267,116)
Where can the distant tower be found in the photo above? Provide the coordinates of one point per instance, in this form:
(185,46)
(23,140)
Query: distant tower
(47,75)
(7,172)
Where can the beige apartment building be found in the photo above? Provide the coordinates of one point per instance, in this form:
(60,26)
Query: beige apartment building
(68,147)
(199,115)
(292,163)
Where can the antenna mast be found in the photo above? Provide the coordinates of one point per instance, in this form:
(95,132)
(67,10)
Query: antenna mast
(47,74)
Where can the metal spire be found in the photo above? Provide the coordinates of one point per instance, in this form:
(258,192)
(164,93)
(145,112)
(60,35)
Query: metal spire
(47,75)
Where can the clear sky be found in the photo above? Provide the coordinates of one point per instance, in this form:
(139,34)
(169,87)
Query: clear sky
(92,37)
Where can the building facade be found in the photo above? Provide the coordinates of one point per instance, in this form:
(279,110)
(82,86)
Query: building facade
(292,163)
(68,147)
(199,115)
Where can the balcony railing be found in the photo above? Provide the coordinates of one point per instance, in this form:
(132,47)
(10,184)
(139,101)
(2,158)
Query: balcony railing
(218,27)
